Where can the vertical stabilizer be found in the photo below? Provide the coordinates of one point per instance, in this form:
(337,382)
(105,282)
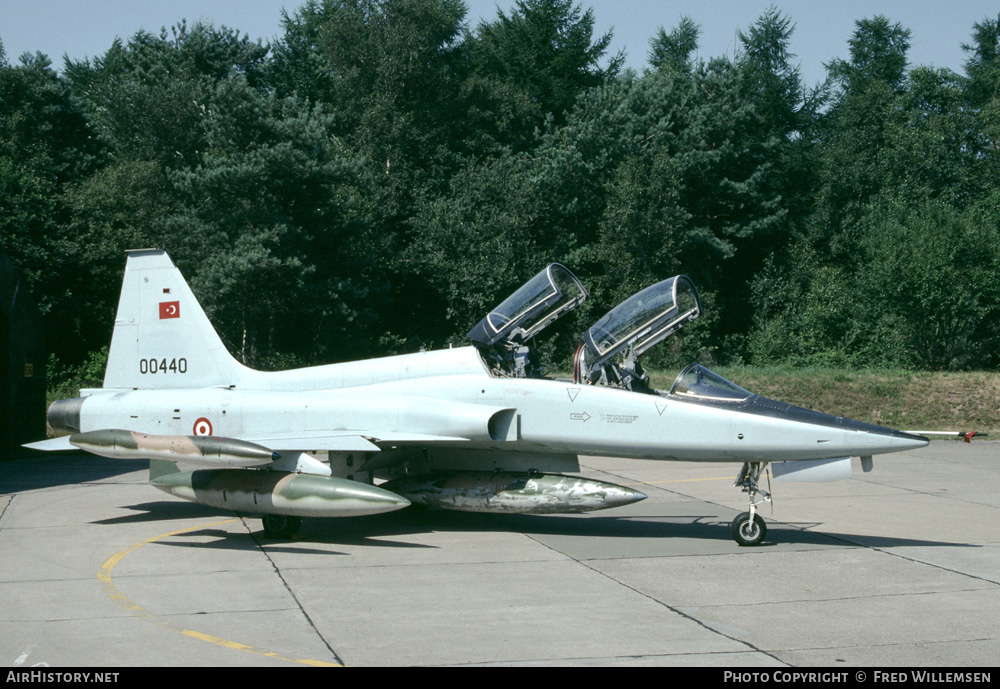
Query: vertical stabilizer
(162,337)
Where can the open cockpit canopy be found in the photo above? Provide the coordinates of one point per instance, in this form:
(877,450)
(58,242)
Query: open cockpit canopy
(611,349)
(549,295)
(644,319)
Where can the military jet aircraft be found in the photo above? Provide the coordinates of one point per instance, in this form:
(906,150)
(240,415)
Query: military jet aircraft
(475,428)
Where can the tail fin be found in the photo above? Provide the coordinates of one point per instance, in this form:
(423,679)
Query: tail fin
(162,337)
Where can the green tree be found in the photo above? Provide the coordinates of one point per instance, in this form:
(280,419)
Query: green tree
(878,54)
(982,93)
(928,275)
(267,205)
(147,97)
(147,101)
(388,70)
(858,131)
(648,177)
(674,51)
(921,293)
(935,148)
(532,65)
(478,243)
(45,144)
(770,78)
(805,313)
(387,67)
(983,63)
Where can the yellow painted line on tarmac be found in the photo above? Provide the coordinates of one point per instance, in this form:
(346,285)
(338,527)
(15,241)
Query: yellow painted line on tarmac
(680,480)
(104,576)
(691,480)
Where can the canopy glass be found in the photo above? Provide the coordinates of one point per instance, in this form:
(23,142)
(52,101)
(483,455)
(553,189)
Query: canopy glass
(549,295)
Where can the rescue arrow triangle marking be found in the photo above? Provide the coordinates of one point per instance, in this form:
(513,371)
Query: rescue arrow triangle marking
(660,406)
(572,392)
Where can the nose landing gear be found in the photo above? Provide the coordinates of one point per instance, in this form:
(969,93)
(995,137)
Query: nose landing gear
(749,528)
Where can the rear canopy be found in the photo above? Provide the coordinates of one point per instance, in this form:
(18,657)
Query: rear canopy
(549,295)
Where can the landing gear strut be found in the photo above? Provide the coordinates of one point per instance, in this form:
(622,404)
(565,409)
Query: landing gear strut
(749,528)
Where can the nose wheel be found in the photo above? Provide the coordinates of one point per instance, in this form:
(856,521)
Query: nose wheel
(749,528)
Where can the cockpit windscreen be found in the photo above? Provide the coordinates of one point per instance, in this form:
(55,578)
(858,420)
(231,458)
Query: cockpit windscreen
(698,382)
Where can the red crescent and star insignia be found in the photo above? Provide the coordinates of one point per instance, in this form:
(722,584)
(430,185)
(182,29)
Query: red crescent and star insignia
(170,309)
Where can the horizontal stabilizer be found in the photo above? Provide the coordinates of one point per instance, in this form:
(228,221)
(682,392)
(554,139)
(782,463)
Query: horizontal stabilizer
(51,445)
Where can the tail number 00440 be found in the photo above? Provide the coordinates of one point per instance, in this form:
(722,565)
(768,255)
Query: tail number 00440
(154,366)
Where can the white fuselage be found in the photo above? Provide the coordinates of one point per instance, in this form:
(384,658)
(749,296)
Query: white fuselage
(447,398)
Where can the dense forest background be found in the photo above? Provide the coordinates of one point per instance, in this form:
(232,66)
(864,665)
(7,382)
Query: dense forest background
(384,173)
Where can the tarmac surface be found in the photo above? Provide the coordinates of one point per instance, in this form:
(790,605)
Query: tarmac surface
(897,567)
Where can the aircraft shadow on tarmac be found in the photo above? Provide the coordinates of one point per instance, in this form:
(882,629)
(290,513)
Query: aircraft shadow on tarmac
(34,470)
(39,471)
(379,530)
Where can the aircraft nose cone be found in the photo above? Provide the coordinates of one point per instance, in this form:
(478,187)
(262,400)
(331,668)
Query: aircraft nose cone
(870,439)
(847,436)
(914,442)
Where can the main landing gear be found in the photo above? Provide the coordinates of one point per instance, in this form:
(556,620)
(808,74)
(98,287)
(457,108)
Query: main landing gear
(749,528)
(280,525)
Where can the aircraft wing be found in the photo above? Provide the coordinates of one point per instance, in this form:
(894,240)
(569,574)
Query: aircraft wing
(278,442)
(313,441)
(325,442)
(359,441)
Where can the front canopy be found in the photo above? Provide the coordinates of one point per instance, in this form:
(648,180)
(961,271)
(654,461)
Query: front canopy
(644,319)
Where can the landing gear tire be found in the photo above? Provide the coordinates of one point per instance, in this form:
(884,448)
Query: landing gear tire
(280,525)
(747,532)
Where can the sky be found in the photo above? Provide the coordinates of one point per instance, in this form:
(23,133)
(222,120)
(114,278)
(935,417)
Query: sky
(86,28)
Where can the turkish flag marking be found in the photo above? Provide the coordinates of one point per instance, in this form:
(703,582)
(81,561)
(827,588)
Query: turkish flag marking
(170,309)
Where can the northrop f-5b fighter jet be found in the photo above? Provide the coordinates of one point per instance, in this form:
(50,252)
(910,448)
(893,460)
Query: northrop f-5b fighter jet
(474,428)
